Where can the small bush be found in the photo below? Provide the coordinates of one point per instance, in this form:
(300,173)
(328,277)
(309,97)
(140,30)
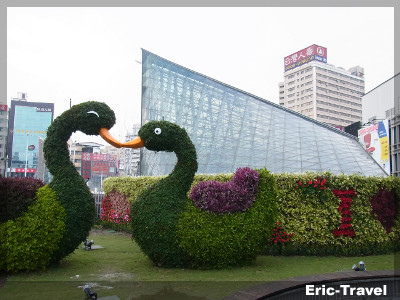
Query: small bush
(16,195)
(115,210)
(27,243)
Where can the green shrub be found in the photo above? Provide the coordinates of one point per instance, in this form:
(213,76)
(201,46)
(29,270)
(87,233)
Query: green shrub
(16,195)
(221,240)
(28,242)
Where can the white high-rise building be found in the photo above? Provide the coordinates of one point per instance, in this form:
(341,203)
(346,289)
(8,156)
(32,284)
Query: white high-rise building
(321,91)
(131,157)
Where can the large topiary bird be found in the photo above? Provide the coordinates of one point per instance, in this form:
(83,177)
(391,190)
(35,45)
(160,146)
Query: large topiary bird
(177,232)
(91,118)
(63,211)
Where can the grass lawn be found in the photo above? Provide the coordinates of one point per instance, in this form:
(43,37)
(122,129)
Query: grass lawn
(121,270)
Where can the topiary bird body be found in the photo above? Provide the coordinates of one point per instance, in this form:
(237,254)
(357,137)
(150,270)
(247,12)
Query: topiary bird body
(156,212)
(173,232)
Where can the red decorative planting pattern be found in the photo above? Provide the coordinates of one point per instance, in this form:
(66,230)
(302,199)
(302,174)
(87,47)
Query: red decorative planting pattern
(384,207)
(345,228)
(279,235)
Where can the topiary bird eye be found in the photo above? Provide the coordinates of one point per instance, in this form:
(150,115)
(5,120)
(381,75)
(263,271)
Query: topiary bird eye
(157,131)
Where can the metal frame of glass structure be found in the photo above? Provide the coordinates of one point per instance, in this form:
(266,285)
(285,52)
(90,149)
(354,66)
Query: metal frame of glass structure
(231,128)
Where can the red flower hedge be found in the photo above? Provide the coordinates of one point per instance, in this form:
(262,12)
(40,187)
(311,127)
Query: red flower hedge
(313,186)
(115,208)
(279,236)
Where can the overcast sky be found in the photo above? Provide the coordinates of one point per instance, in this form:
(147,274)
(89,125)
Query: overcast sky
(54,54)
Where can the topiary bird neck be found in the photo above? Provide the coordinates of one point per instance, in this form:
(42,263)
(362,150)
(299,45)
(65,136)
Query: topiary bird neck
(185,167)
(56,152)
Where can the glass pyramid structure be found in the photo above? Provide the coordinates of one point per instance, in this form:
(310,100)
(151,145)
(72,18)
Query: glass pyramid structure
(231,128)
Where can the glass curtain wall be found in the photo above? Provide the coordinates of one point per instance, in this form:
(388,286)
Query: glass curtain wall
(231,128)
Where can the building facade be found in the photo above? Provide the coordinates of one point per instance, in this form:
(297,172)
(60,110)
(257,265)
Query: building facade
(381,105)
(93,165)
(131,157)
(27,125)
(231,128)
(3,136)
(321,91)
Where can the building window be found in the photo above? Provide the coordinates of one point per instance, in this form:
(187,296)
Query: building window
(390,112)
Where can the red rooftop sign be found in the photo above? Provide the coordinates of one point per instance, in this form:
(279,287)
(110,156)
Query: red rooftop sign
(314,52)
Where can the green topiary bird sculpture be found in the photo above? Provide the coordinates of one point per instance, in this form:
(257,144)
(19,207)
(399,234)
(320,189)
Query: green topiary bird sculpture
(62,213)
(173,232)
(91,118)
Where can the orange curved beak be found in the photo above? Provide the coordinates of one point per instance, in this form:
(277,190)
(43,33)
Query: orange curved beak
(135,143)
(105,134)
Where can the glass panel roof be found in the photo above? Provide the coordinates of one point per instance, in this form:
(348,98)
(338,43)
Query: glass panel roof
(231,128)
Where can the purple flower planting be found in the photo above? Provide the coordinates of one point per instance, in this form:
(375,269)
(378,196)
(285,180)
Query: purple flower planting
(236,195)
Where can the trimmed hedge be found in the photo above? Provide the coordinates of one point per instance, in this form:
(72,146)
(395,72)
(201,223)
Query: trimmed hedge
(312,215)
(16,195)
(28,242)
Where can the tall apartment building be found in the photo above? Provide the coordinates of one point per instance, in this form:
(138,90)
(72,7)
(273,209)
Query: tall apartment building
(321,91)
(27,127)
(3,135)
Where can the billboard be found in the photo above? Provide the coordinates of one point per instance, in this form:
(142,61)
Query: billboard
(99,157)
(22,170)
(313,52)
(375,139)
(99,164)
